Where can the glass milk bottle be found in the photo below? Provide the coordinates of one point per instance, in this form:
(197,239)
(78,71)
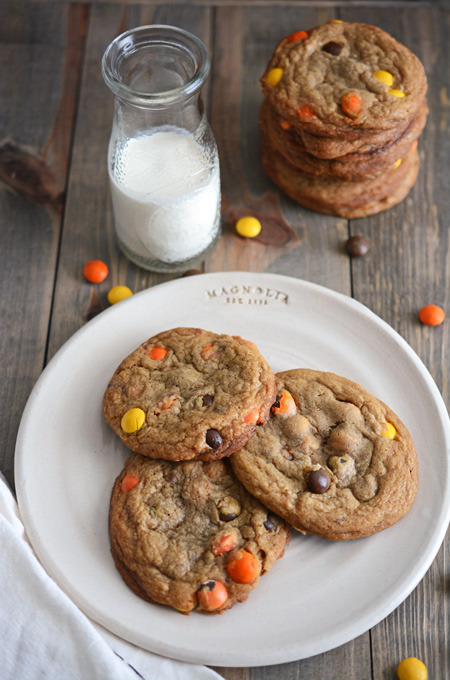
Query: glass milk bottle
(162,160)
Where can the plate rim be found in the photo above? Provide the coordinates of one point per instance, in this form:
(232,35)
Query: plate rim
(290,652)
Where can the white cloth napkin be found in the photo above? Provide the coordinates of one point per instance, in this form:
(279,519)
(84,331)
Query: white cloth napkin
(44,635)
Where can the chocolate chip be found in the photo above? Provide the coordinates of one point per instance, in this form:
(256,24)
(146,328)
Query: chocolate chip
(213,439)
(207,399)
(318,481)
(356,246)
(269,524)
(333,48)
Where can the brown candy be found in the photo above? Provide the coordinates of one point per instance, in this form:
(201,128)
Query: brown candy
(318,481)
(356,246)
(333,48)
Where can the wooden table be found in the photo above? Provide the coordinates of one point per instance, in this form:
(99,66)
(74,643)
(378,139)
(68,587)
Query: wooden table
(54,216)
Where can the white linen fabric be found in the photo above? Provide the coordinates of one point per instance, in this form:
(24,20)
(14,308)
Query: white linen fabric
(44,635)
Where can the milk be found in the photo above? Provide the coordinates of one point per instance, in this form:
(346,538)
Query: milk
(166,196)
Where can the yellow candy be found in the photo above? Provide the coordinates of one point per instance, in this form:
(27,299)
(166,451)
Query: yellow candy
(249,227)
(390,431)
(384,77)
(118,293)
(397,163)
(337,21)
(397,93)
(132,420)
(274,76)
(412,669)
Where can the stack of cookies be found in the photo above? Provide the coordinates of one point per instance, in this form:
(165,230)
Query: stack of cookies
(229,457)
(344,106)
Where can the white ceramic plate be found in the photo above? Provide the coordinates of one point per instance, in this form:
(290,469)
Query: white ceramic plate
(321,594)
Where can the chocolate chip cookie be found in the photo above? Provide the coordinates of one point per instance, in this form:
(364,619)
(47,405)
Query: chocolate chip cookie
(332,460)
(340,79)
(350,167)
(189,394)
(338,197)
(189,535)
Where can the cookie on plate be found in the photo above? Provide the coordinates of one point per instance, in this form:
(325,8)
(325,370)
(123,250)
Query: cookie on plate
(189,535)
(189,394)
(333,460)
(342,78)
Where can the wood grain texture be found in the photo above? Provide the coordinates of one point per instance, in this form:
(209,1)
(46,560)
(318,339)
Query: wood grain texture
(88,230)
(38,91)
(55,215)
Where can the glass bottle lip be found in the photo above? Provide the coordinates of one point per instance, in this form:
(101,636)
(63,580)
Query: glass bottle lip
(130,42)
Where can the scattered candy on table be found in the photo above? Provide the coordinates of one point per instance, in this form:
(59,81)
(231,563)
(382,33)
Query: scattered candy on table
(356,246)
(412,669)
(95,271)
(248,227)
(432,315)
(118,293)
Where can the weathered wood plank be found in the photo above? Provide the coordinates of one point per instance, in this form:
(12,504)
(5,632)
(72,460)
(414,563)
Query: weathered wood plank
(293,240)
(407,268)
(43,54)
(88,230)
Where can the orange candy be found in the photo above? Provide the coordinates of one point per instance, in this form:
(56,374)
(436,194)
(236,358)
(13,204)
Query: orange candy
(304,112)
(351,104)
(285,124)
(212,595)
(208,352)
(431,315)
(157,353)
(128,483)
(224,544)
(298,35)
(243,567)
(95,271)
(252,416)
(285,405)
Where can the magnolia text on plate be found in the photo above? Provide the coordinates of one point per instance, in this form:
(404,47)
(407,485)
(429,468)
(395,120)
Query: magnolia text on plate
(247,295)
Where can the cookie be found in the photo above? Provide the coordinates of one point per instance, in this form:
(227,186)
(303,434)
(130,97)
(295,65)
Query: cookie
(188,535)
(189,394)
(332,460)
(342,78)
(336,197)
(350,167)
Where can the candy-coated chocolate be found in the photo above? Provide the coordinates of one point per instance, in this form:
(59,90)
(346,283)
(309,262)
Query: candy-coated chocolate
(318,481)
(274,76)
(298,35)
(384,77)
(132,420)
(412,669)
(397,93)
(118,293)
(248,227)
(356,246)
(432,315)
(390,431)
(95,271)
